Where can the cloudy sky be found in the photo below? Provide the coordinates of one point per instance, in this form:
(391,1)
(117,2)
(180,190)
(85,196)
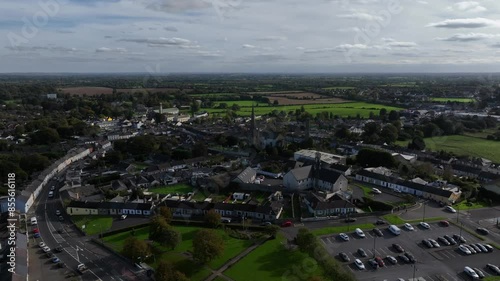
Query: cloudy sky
(162,36)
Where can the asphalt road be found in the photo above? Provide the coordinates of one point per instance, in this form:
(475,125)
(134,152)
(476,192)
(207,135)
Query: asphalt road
(77,248)
(445,262)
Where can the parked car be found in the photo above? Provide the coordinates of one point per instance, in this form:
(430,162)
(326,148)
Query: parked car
(380,222)
(470,249)
(459,238)
(451,240)
(425,225)
(55,260)
(122,217)
(344,257)
(494,268)
(398,248)
(42,244)
(49,255)
(360,233)
(411,257)
(36,235)
(488,247)
(476,248)
(409,227)
(362,252)
(35,230)
(435,244)
(380,261)
(61,218)
(359,264)
(392,259)
(373,263)
(52,188)
(60,265)
(58,213)
(482,248)
(266,223)
(404,258)
(479,272)
(350,220)
(81,268)
(427,243)
(469,271)
(344,236)
(464,250)
(376,191)
(378,232)
(483,231)
(450,209)
(443,241)
(58,249)
(286,224)
(444,223)
(46,249)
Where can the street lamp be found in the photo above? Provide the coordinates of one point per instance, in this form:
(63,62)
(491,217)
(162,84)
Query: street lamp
(423,218)
(458,211)
(374,241)
(460,238)
(414,270)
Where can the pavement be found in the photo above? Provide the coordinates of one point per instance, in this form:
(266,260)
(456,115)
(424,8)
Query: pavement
(444,263)
(102,264)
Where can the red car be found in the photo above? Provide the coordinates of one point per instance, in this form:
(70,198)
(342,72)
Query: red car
(286,224)
(444,223)
(35,230)
(380,262)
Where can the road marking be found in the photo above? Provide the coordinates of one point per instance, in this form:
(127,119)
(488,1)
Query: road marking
(323,241)
(383,251)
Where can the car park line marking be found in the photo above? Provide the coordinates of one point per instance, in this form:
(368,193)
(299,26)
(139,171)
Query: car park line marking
(429,277)
(452,277)
(383,251)
(324,242)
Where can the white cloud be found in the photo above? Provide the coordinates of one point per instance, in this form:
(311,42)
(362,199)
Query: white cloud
(465,23)
(110,50)
(397,44)
(467,6)
(467,37)
(361,16)
(272,38)
(249,46)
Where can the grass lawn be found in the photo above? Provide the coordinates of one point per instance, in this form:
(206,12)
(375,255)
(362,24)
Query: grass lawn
(343,228)
(366,190)
(464,205)
(453,99)
(180,188)
(93,224)
(395,219)
(340,109)
(271,261)
(140,166)
(339,88)
(492,278)
(178,256)
(464,145)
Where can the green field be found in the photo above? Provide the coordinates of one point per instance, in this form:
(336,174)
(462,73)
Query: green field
(464,145)
(271,261)
(452,99)
(340,109)
(339,88)
(93,224)
(180,188)
(241,103)
(178,256)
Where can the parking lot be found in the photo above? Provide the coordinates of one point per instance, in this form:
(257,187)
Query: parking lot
(443,263)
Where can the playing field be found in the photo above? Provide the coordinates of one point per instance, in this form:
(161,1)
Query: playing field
(341,109)
(464,145)
(179,256)
(452,100)
(271,261)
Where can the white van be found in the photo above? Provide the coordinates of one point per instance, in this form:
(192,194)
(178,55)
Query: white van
(394,229)
(51,194)
(33,221)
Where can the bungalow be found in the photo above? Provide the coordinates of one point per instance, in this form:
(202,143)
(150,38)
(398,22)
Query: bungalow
(319,207)
(399,185)
(109,208)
